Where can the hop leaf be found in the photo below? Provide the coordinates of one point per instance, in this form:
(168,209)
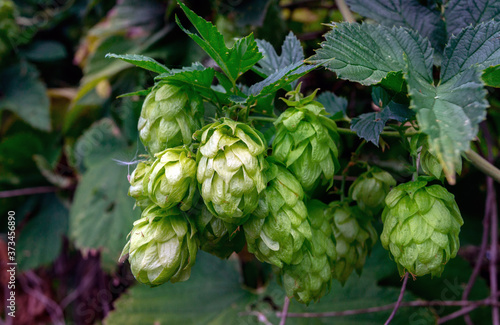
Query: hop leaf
(230,169)
(169,116)
(277,229)
(305,141)
(137,189)
(421,227)
(172,178)
(370,189)
(310,279)
(354,235)
(162,247)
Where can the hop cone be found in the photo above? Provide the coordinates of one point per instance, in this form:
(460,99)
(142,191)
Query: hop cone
(305,142)
(430,164)
(310,279)
(370,189)
(162,247)
(230,169)
(215,237)
(354,235)
(277,229)
(172,178)
(168,118)
(136,189)
(421,227)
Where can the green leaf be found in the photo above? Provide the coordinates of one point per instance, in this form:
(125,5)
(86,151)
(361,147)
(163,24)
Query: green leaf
(335,105)
(367,53)
(291,53)
(368,126)
(213,295)
(234,61)
(491,76)
(460,14)
(45,51)
(141,61)
(102,214)
(409,13)
(40,241)
(396,110)
(24,94)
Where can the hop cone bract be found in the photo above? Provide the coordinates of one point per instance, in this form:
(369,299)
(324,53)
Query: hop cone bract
(354,236)
(162,247)
(310,279)
(169,116)
(172,178)
(430,164)
(305,142)
(370,189)
(421,227)
(230,169)
(137,189)
(277,229)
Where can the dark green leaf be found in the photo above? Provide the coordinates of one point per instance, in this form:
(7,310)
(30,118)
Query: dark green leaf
(491,76)
(213,295)
(24,94)
(234,61)
(141,61)
(45,51)
(460,14)
(409,13)
(397,111)
(40,241)
(291,53)
(334,105)
(249,12)
(368,126)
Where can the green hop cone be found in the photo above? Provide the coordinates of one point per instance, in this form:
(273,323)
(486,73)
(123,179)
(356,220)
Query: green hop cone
(172,178)
(215,237)
(169,116)
(305,141)
(277,229)
(310,279)
(354,236)
(421,227)
(162,247)
(430,164)
(370,189)
(230,169)
(137,189)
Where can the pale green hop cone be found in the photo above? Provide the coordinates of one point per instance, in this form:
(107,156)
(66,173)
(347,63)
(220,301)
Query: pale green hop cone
(137,190)
(162,247)
(215,237)
(310,279)
(277,229)
(306,141)
(231,169)
(370,189)
(172,178)
(169,116)
(421,227)
(354,236)
(430,164)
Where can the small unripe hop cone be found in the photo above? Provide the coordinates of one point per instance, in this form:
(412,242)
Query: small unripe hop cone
(421,227)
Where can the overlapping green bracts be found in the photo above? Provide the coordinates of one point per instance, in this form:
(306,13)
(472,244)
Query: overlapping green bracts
(162,246)
(421,227)
(171,179)
(431,166)
(169,117)
(277,229)
(215,237)
(306,142)
(370,189)
(354,236)
(137,190)
(310,279)
(231,169)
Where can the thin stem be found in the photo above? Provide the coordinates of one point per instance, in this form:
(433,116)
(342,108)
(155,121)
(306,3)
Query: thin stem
(344,10)
(285,311)
(262,118)
(458,313)
(483,165)
(28,191)
(392,134)
(400,299)
(495,313)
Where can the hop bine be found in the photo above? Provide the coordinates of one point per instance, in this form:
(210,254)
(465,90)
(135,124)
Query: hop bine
(278,227)
(421,227)
(231,169)
(169,116)
(310,279)
(162,247)
(305,141)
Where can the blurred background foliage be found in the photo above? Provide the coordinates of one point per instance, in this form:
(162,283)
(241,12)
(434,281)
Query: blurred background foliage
(67,144)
